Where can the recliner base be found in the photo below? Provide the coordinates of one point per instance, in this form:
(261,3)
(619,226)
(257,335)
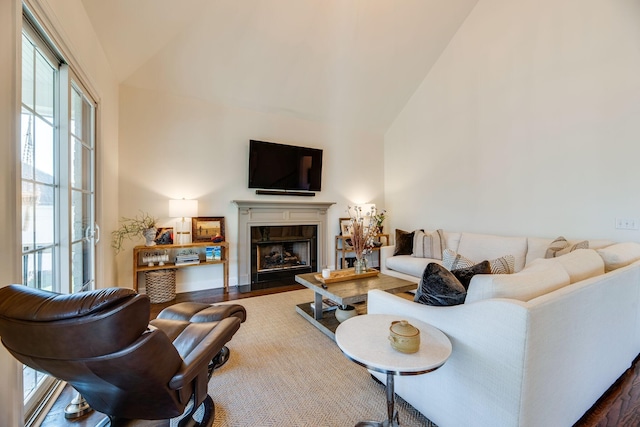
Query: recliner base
(187,421)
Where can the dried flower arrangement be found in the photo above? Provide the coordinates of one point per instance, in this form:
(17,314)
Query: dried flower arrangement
(364,226)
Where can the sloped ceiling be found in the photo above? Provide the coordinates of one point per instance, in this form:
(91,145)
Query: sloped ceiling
(343,62)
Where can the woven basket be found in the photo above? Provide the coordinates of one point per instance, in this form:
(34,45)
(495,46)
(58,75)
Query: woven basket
(161,285)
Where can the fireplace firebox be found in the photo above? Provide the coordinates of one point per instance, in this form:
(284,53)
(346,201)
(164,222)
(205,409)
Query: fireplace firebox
(281,252)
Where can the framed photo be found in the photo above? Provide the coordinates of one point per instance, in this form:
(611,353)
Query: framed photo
(345,226)
(207,229)
(164,236)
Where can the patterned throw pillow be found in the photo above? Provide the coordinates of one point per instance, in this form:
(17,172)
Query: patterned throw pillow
(452,260)
(428,245)
(439,287)
(503,265)
(404,242)
(580,245)
(561,246)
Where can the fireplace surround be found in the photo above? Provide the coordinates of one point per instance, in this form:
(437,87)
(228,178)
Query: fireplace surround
(255,214)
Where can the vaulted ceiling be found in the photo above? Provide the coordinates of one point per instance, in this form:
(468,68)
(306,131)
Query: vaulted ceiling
(353,62)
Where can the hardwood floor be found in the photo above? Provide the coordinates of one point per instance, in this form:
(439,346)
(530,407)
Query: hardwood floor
(618,407)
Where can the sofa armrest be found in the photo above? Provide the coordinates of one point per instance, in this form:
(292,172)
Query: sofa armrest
(385,252)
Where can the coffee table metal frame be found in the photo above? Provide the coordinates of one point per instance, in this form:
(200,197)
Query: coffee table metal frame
(364,340)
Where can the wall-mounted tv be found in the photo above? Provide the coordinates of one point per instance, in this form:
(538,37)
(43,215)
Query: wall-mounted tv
(284,167)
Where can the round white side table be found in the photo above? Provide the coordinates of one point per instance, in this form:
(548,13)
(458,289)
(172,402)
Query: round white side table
(364,340)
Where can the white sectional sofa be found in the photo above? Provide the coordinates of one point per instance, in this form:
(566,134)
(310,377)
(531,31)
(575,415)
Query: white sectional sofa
(534,348)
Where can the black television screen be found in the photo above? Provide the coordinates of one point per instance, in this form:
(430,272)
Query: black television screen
(284,167)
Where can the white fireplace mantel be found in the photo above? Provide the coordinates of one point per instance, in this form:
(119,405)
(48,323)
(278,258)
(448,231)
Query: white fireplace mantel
(254,213)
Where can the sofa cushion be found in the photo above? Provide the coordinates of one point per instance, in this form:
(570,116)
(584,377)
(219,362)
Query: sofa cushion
(464,275)
(439,287)
(428,245)
(453,260)
(619,255)
(408,264)
(485,246)
(404,242)
(581,264)
(540,277)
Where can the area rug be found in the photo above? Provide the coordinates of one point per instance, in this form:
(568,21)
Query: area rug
(285,372)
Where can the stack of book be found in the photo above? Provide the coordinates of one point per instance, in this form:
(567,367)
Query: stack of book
(327,305)
(187,259)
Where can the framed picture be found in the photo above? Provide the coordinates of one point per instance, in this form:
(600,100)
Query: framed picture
(164,236)
(207,229)
(345,226)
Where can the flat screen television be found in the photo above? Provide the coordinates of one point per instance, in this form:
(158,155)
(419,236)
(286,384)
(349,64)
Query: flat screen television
(284,167)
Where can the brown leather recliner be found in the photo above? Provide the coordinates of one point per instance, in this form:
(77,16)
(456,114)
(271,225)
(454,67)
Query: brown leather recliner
(102,344)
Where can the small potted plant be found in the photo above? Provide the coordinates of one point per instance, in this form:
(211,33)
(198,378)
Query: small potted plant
(379,219)
(141,225)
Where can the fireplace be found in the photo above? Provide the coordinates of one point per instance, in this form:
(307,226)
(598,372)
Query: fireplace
(261,229)
(280,252)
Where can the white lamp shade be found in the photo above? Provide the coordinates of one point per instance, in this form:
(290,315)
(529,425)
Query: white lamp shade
(183,208)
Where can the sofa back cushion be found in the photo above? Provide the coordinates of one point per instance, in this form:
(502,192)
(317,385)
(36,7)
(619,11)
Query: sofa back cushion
(537,279)
(486,247)
(452,240)
(620,255)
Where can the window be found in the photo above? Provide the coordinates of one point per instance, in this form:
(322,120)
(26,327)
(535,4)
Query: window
(58,182)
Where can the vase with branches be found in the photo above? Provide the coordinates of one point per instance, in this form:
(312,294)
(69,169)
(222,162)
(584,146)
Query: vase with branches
(141,225)
(364,229)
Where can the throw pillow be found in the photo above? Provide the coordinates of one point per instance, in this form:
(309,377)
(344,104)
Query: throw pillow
(404,242)
(557,245)
(561,246)
(428,245)
(580,245)
(452,260)
(503,265)
(439,287)
(464,275)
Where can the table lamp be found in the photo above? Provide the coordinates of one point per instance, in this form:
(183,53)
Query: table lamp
(184,209)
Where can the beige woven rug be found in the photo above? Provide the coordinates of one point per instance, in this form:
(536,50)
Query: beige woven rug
(285,372)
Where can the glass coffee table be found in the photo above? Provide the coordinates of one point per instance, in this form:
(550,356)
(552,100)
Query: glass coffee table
(343,293)
(364,340)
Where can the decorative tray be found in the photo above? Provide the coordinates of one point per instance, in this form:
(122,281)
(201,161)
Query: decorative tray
(346,274)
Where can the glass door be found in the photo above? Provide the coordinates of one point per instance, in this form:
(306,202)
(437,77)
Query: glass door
(84,230)
(59,230)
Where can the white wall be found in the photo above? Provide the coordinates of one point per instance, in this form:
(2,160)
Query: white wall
(67,23)
(180,147)
(528,124)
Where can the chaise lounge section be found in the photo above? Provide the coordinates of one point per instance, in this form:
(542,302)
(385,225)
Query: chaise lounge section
(537,347)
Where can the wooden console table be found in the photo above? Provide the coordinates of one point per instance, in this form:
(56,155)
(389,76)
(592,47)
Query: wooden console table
(138,266)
